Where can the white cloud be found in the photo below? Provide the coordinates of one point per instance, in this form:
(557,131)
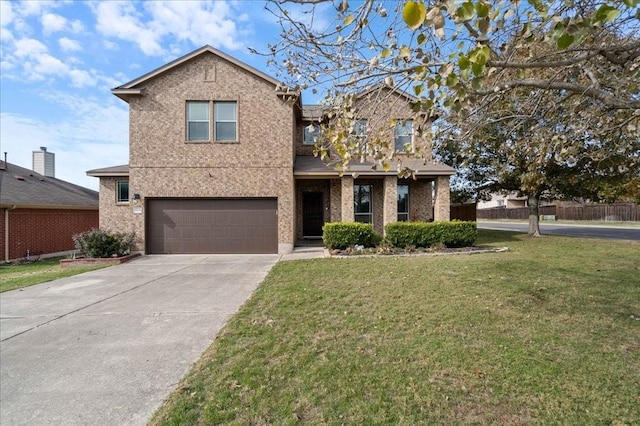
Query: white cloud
(52,23)
(167,22)
(120,20)
(92,135)
(77,27)
(69,45)
(28,47)
(6,13)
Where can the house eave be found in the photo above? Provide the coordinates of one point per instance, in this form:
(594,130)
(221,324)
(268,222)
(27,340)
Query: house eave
(12,206)
(118,91)
(115,171)
(127,94)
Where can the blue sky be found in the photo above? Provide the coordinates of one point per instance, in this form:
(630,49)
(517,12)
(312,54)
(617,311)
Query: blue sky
(60,59)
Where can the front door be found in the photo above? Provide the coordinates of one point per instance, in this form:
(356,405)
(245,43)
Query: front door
(312,218)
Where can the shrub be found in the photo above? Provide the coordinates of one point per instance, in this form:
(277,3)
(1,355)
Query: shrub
(97,243)
(426,234)
(340,235)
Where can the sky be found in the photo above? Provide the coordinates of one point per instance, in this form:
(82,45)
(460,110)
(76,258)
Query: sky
(59,61)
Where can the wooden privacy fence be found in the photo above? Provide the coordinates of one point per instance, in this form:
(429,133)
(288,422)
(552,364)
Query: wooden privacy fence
(624,212)
(463,212)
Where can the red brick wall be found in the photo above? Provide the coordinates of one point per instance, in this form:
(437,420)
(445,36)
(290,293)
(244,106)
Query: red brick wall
(44,231)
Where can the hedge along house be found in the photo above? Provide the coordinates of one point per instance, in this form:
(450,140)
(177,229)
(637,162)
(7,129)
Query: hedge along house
(221,161)
(39,214)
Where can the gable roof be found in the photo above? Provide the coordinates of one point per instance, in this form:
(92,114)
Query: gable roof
(24,188)
(114,171)
(310,166)
(130,88)
(316,112)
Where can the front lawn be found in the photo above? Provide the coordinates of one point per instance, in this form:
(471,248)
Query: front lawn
(548,332)
(14,276)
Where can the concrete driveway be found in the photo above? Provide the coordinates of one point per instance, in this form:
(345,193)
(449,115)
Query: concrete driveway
(108,346)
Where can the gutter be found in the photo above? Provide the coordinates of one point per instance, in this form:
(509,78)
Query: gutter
(6,233)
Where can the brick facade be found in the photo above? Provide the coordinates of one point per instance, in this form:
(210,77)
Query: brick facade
(43,231)
(260,163)
(163,164)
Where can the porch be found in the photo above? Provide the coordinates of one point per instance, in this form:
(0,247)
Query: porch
(378,199)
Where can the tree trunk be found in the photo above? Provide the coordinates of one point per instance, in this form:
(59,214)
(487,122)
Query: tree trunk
(534,223)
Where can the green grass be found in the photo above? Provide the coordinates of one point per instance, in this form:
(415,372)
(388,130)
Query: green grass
(546,333)
(14,276)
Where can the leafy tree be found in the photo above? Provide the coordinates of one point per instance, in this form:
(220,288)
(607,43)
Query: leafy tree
(545,83)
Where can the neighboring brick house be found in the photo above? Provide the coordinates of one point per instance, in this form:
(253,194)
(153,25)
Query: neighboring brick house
(221,161)
(39,214)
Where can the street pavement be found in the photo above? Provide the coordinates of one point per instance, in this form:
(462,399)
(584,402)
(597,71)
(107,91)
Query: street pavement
(618,232)
(108,346)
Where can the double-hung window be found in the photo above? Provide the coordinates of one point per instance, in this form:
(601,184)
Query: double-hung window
(310,134)
(403,135)
(362,203)
(122,191)
(197,121)
(403,203)
(360,132)
(225,121)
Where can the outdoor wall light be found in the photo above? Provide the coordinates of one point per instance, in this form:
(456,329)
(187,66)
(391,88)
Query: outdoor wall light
(136,196)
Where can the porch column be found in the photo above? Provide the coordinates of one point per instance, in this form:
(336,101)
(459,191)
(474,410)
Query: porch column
(390,206)
(442,202)
(347,199)
(335,200)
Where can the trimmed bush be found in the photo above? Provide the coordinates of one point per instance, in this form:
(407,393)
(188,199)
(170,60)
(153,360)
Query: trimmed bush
(97,243)
(340,235)
(425,234)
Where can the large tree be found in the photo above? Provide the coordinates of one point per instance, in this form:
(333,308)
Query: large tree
(563,74)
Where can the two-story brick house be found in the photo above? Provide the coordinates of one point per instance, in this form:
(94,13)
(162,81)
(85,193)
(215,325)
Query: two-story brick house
(221,161)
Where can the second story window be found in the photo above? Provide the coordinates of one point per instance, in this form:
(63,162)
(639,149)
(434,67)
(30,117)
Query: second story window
(197,121)
(310,133)
(122,191)
(360,132)
(226,119)
(403,136)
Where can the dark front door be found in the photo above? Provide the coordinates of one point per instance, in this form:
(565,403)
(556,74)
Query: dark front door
(312,218)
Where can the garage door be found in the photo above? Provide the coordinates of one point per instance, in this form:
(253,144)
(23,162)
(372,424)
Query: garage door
(185,225)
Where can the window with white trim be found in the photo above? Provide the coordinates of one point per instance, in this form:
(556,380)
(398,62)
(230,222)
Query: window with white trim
(198,121)
(403,135)
(225,121)
(311,133)
(122,191)
(362,203)
(403,203)
(360,132)
(225,115)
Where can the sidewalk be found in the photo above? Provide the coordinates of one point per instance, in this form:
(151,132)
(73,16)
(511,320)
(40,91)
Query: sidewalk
(305,253)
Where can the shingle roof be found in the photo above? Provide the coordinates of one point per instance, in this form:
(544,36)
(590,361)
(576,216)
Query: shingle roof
(307,165)
(313,112)
(132,88)
(114,171)
(22,187)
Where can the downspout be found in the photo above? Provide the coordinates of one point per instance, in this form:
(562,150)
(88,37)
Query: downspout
(6,233)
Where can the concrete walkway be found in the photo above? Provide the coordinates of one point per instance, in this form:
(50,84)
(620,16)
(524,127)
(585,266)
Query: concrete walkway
(107,347)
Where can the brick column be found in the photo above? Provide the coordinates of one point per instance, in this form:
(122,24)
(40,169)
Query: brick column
(336,200)
(429,197)
(347,199)
(390,200)
(442,202)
